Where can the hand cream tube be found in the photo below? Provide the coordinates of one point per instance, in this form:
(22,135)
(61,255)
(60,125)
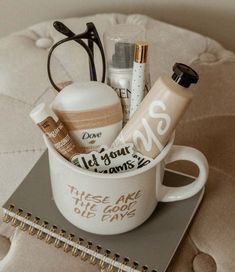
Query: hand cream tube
(153,123)
(55,131)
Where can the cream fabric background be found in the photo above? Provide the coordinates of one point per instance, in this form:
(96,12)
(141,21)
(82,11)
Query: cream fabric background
(213,18)
(208,125)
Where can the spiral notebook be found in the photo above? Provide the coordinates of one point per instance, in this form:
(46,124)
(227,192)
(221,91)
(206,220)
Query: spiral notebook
(149,247)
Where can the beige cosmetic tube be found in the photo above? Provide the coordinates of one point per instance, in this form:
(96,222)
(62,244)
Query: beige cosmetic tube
(156,118)
(55,131)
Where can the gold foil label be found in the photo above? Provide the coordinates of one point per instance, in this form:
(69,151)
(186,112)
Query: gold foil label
(141,51)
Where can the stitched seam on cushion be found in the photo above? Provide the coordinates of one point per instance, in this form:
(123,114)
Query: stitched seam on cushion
(221,171)
(197,58)
(62,65)
(193,243)
(206,117)
(194,247)
(16,99)
(33,33)
(21,151)
(41,95)
(200,251)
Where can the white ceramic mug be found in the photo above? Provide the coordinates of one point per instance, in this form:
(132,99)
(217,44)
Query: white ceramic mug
(116,203)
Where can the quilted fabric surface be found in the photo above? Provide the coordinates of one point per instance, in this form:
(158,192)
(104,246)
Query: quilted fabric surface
(209,125)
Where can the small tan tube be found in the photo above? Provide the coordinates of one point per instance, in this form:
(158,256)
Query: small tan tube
(55,131)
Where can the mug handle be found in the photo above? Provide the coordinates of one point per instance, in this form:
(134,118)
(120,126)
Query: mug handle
(168,194)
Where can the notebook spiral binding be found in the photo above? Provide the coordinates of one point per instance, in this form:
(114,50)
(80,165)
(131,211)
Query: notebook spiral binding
(69,243)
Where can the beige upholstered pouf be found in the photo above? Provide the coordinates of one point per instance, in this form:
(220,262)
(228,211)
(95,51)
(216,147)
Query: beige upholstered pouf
(209,125)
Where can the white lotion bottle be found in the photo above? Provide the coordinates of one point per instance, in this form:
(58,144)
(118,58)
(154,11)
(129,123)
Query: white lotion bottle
(92,113)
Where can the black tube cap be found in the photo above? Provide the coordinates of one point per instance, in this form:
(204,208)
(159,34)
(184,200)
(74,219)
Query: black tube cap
(184,75)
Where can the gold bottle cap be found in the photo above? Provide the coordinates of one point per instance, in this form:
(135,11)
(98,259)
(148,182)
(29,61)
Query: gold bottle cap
(141,51)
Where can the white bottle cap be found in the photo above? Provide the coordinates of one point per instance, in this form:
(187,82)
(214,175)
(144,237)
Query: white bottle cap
(40,113)
(83,96)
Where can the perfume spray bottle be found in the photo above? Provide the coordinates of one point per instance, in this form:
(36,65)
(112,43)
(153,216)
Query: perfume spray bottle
(138,76)
(119,43)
